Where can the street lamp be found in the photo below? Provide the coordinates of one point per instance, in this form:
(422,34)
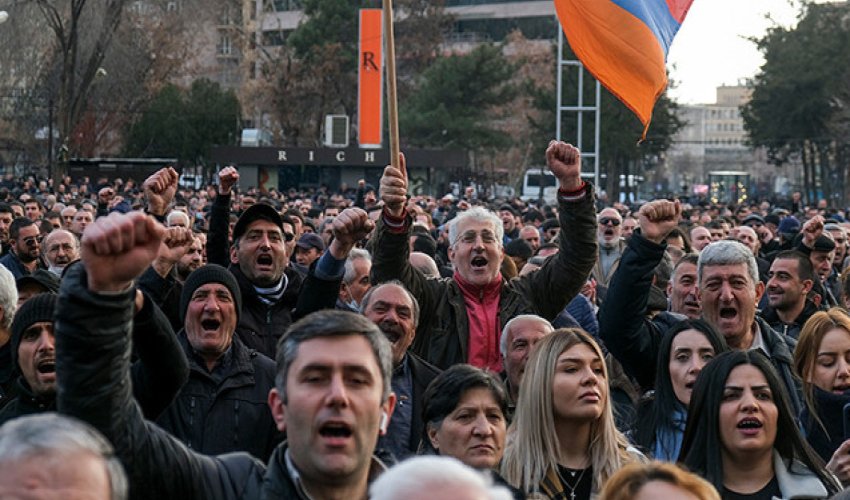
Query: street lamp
(3,16)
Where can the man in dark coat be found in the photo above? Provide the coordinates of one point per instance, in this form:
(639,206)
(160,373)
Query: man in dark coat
(729,290)
(332,391)
(462,317)
(222,408)
(157,375)
(396,312)
(258,259)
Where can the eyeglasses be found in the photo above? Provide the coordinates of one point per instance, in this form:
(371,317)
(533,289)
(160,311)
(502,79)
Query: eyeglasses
(31,240)
(604,221)
(288,236)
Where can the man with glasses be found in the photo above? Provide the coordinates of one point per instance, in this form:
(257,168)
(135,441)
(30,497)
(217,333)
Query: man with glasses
(24,255)
(611,245)
(461,317)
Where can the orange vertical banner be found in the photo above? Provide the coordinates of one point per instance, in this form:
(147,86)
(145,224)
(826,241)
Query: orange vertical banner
(370,79)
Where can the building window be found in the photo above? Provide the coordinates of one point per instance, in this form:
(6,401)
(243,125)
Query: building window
(225,45)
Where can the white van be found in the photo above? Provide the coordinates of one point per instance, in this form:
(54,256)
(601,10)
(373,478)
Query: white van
(531,185)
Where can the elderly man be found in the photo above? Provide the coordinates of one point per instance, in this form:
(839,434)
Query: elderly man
(355,281)
(396,312)
(228,383)
(53,456)
(518,338)
(611,245)
(68,216)
(332,390)
(531,235)
(24,255)
(61,248)
(462,315)
(729,290)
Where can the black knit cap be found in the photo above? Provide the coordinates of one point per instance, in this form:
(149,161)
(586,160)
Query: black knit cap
(37,309)
(210,273)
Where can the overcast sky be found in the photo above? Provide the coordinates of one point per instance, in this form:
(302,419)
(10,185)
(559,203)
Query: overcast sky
(711,47)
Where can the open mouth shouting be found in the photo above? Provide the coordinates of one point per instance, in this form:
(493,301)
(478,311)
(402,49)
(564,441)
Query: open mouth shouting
(479,262)
(210,324)
(335,433)
(750,426)
(265,261)
(46,366)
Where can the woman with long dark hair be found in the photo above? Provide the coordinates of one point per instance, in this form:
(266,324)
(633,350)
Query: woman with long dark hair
(822,361)
(684,350)
(738,408)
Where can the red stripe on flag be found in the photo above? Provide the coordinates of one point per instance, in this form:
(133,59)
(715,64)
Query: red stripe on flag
(679,8)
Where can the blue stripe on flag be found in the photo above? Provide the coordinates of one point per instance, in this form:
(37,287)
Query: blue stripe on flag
(656,15)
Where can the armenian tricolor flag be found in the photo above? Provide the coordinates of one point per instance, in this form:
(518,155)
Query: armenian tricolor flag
(624,44)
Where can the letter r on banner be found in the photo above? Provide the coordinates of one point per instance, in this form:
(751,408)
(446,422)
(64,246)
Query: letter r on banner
(370,81)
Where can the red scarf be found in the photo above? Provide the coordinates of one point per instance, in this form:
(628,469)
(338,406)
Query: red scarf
(482,312)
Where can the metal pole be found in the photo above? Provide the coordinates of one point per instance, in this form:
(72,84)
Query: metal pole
(596,136)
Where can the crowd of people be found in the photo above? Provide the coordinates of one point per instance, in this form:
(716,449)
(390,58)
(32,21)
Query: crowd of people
(224,343)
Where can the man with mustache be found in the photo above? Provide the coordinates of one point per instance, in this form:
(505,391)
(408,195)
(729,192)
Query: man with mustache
(61,248)
(396,312)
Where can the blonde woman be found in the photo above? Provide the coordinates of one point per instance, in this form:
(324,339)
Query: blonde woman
(563,443)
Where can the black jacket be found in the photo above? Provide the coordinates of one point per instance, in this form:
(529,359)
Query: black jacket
(792,329)
(634,340)
(157,375)
(92,352)
(226,410)
(165,292)
(261,325)
(26,403)
(442,337)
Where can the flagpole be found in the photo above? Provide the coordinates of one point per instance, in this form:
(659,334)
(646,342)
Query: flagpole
(392,96)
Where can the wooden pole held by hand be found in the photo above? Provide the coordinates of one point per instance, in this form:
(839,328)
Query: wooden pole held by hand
(392,96)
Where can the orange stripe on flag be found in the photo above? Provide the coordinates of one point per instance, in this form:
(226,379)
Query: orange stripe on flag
(370,72)
(619,50)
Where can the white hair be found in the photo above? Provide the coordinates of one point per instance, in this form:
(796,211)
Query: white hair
(8,297)
(355,254)
(419,476)
(49,434)
(177,214)
(480,214)
(503,341)
(726,253)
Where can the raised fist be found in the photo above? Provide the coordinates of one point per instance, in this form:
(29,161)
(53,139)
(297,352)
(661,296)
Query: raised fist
(349,227)
(227,178)
(159,190)
(657,218)
(117,248)
(564,161)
